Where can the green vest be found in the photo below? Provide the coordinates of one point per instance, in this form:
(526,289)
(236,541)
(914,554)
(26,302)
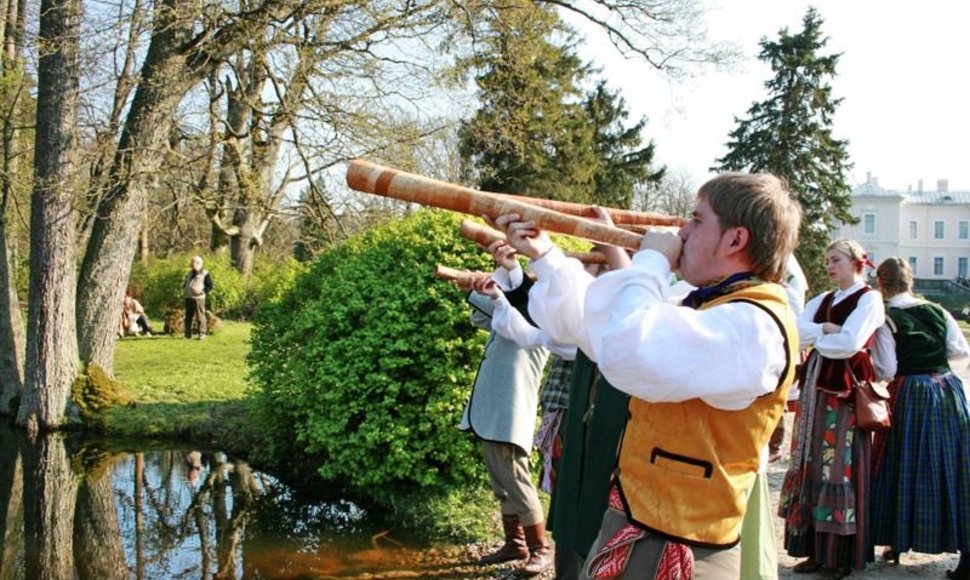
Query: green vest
(920,334)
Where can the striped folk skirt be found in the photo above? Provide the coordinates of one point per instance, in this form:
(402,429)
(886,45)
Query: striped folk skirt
(825,494)
(921,483)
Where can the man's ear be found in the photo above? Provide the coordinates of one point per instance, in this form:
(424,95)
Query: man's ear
(738,239)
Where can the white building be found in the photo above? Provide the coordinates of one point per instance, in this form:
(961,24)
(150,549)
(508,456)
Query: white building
(931,229)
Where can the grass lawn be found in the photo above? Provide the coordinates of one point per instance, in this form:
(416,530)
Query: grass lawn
(182,388)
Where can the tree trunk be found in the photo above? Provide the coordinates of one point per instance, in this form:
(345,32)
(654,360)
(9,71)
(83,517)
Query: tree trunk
(111,249)
(139,516)
(243,244)
(12,335)
(50,493)
(98,553)
(11,503)
(51,341)
(143,252)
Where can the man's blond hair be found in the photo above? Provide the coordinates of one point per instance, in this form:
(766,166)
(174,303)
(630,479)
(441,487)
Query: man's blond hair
(762,204)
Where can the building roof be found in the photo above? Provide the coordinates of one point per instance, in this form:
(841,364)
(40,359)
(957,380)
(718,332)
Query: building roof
(871,188)
(938,197)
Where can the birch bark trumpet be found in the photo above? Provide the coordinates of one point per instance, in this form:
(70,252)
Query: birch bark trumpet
(369,177)
(461,278)
(484,236)
(625,218)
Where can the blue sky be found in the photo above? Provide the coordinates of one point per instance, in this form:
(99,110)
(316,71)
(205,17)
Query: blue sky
(903,78)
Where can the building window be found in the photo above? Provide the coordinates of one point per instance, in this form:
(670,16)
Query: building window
(937,230)
(872,258)
(963,229)
(869,223)
(962,268)
(912,264)
(938,266)
(913,230)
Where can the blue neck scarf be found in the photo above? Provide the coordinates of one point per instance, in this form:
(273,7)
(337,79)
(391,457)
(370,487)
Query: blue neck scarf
(698,297)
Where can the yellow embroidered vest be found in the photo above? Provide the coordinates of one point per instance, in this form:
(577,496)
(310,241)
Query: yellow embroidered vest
(686,469)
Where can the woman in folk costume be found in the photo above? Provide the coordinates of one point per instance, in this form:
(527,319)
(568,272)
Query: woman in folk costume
(825,494)
(921,472)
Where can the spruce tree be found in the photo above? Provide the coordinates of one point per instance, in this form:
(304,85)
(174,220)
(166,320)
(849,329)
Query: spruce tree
(536,132)
(790,134)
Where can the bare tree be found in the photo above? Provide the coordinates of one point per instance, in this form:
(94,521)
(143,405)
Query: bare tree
(12,334)
(676,195)
(51,366)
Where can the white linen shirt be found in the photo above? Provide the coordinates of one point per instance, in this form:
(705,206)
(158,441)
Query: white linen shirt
(651,349)
(509,322)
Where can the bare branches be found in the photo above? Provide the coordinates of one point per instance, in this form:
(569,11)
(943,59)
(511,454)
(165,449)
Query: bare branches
(670,35)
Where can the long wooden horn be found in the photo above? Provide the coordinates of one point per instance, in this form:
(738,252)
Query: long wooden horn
(484,236)
(461,278)
(620,217)
(372,178)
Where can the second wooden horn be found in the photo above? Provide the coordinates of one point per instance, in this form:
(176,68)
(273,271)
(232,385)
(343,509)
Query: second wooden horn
(484,235)
(379,180)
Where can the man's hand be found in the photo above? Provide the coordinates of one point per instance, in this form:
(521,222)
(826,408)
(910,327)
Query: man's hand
(524,236)
(667,243)
(485,285)
(504,254)
(616,257)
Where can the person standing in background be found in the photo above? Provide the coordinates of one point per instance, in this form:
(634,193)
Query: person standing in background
(198,283)
(501,412)
(825,494)
(921,467)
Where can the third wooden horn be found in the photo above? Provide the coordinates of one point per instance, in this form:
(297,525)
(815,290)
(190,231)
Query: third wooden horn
(385,181)
(484,235)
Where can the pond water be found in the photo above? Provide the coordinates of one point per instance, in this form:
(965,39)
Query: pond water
(72,507)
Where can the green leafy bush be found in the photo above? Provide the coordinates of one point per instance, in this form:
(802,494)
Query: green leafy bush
(363,368)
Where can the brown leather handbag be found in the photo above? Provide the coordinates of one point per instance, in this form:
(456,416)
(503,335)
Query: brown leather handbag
(871,404)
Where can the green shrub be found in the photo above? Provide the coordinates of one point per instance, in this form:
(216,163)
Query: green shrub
(363,368)
(159,284)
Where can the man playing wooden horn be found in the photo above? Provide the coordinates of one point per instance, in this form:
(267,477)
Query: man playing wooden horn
(708,377)
(501,412)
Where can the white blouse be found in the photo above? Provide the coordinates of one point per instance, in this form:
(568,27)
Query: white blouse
(867,319)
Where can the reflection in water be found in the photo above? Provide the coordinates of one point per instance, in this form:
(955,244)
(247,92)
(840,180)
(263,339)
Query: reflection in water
(71,509)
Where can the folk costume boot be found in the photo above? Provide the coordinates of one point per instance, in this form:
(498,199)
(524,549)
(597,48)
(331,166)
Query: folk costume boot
(540,554)
(514,547)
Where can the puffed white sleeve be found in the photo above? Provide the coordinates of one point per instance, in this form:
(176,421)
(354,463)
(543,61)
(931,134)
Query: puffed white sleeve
(660,352)
(809,331)
(884,353)
(509,322)
(957,350)
(556,300)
